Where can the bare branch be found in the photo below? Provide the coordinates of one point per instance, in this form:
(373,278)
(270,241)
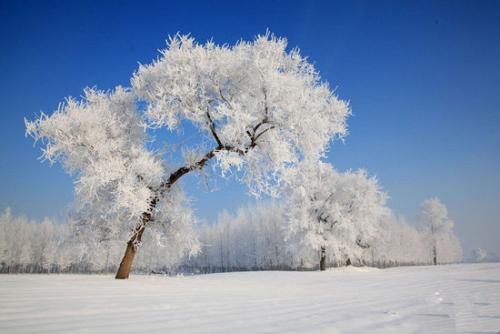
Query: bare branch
(266,109)
(260,134)
(186,169)
(211,125)
(224,99)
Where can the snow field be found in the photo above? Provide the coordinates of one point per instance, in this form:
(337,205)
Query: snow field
(442,299)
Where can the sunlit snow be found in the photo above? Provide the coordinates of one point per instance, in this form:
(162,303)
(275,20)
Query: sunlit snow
(440,299)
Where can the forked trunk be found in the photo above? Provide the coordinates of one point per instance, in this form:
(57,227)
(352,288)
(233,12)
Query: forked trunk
(322,261)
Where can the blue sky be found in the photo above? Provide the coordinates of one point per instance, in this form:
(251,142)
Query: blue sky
(423,80)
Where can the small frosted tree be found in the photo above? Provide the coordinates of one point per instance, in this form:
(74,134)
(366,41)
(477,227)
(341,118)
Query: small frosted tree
(434,222)
(478,254)
(333,212)
(260,108)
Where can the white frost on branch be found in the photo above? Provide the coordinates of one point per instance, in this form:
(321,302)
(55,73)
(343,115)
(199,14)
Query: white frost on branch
(101,141)
(253,100)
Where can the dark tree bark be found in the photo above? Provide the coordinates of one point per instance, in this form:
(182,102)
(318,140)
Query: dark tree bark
(322,260)
(132,245)
(434,244)
(126,263)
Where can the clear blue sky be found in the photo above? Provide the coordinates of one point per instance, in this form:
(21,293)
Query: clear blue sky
(423,79)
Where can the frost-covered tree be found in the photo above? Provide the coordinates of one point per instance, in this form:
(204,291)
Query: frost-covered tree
(27,245)
(434,222)
(478,254)
(260,108)
(396,243)
(333,212)
(251,239)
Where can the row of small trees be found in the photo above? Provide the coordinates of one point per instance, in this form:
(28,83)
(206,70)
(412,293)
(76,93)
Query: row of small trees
(28,246)
(258,238)
(254,238)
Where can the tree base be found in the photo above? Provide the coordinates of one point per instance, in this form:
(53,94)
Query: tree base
(126,264)
(322,261)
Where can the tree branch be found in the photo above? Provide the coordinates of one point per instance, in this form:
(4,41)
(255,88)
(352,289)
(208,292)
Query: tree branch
(256,127)
(176,175)
(186,169)
(224,99)
(265,120)
(266,109)
(362,244)
(260,134)
(211,125)
(147,216)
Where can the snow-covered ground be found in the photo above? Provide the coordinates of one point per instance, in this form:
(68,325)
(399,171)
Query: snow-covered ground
(442,299)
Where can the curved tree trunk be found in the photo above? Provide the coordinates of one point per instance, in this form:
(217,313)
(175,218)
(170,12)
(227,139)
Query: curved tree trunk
(322,260)
(126,264)
(128,258)
(135,240)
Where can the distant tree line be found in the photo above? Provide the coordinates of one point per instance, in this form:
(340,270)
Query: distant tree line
(254,238)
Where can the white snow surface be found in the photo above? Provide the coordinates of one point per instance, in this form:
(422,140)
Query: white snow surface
(443,299)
